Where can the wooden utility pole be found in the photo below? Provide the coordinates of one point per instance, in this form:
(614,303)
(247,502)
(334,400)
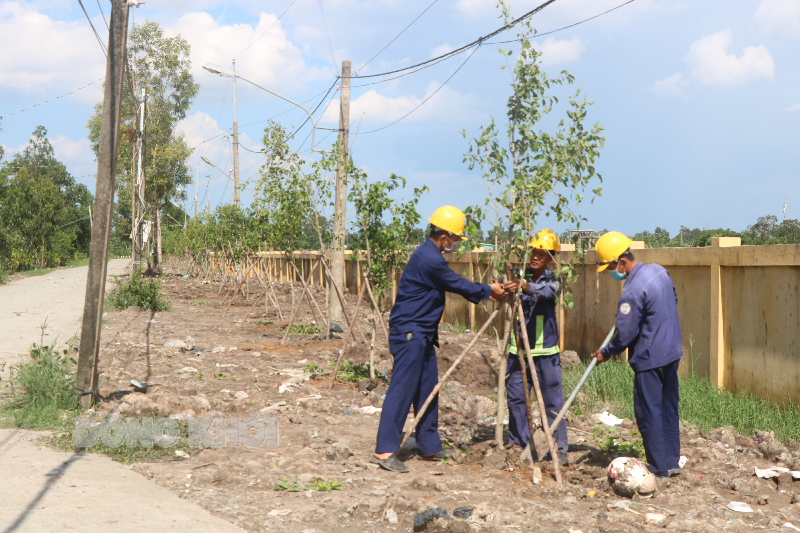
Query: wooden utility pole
(138,194)
(235,145)
(337,250)
(86,379)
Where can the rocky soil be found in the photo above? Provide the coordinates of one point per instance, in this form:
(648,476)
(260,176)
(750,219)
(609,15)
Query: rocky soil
(234,369)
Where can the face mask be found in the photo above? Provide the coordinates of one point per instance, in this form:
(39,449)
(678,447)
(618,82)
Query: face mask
(617,275)
(453,246)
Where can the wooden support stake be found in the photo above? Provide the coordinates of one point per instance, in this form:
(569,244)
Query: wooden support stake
(438,386)
(346,339)
(341,299)
(310,296)
(375,305)
(542,411)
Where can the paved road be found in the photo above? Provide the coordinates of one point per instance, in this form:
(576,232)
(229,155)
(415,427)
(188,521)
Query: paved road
(46,490)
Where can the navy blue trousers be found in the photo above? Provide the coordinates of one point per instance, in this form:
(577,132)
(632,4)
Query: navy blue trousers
(655,401)
(548,368)
(414,375)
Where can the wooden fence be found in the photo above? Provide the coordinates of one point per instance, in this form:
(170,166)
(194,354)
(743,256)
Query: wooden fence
(739,307)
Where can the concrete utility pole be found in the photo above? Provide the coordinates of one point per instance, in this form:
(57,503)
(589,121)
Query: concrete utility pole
(235,145)
(86,379)
(337,250)
(138,195)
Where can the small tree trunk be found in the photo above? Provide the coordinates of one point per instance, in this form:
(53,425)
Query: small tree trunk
(159,257)
(372,346)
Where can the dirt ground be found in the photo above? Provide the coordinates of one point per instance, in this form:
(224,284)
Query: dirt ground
(237,369)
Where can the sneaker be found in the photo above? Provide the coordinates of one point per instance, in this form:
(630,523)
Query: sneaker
(391,463)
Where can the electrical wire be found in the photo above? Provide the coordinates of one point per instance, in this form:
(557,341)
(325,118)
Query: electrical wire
(429,97)
(315,109)
(567,27)
(397,36)
(56,98)
(476,42)
(284,112)
(323,114)
(99,40)
(103,15)
(265,31)
(328,35)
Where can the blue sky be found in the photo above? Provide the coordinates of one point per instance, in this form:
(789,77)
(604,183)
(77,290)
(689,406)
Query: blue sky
(700,101)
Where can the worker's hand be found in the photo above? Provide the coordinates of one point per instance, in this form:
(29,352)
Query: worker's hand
(497,292)
(511,286)
(599,356)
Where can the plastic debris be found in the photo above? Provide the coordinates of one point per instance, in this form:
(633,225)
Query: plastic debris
(421,519)
(391,516)
(279,512)
(370,410)
(773,471)
(463,512)
(682,461)
(628,476)
(791,526)
(182,454)
(285,387)
(740,507)
(608,419)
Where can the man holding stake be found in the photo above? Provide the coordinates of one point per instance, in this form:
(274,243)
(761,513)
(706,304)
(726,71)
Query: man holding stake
(647,324)
(413,333)
(540,291)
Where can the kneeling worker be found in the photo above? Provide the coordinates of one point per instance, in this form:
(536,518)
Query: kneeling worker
(647,324)
(540,292)
(413,333)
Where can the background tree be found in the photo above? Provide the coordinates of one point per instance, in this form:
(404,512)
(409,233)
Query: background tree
(44,212)
(161,66)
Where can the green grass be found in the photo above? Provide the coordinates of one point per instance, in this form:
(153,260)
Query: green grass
(454,326)
(702,403)
(318,484)
(42,388)
(304,329)
(138,292)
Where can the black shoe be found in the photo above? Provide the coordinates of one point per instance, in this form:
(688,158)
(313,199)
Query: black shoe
(563,458)
(675,472)
(391,463)
(438,456)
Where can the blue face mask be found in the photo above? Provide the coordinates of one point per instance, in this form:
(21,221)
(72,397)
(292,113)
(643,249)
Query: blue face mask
(617,275)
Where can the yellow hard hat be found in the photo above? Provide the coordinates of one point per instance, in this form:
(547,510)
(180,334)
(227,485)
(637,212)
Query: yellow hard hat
(546,239)
(450,219)
(609,247)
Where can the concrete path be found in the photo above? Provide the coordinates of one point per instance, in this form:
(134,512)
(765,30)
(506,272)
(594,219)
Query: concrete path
(46,490)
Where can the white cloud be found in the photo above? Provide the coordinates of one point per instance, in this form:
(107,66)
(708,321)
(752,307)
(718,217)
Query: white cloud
(68,151)
(669,86)
(779,17)
(376,108)
(272,61)
(42,55)
(795,107)
(569,10)
(712,65)
(556,51)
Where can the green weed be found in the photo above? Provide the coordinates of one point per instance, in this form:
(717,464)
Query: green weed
(454,326)
(313,368)
(318,484)
(199,302)
(353,372)
(611,442)
(138,292)
(264,322)
(43,388)
(304,329)
(701,402)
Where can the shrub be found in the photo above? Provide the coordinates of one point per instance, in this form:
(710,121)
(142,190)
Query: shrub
(139,292)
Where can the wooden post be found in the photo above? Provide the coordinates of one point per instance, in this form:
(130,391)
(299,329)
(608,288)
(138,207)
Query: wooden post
(87,378)
(336,308)
(717,362)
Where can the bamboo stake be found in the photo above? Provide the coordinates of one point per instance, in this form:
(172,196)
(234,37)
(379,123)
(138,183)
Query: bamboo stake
(310,296)
(346,339)
(438,386)
(254,306)
(236,292)
(542,411)
(296,308)
(341,299)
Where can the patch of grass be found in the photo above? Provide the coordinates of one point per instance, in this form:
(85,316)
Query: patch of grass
(309,329)
(313,368)
(454,326)
(42,388)
(353,372)
(3,276)
(138,292)
(199,302)
(318,484)
(127,454)
(611,442)
(701,402)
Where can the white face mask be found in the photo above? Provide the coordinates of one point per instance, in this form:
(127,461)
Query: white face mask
(453,245)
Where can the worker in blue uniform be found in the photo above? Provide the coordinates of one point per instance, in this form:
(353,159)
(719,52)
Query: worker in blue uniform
(540,291)
(413,333)
(648,326)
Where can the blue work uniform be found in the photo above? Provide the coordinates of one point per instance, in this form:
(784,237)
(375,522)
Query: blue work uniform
(648,326)
(539,309)
(413,333)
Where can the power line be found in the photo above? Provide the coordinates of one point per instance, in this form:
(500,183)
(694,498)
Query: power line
(99,40)
(315,110)
(265,31)
(103,15)
(328,35)
(398,35)
(570,26)
(56,98)
(429,97)
(476,42)
(293,108)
